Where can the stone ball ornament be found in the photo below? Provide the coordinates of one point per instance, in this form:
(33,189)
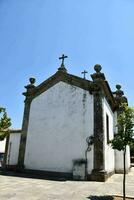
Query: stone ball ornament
(97,68)
(32,80)
(118,87)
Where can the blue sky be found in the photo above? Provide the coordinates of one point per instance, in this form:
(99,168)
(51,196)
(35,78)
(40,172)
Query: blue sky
(34,33)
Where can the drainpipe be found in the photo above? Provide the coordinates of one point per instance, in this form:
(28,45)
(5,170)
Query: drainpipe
(90,141)
(9,153)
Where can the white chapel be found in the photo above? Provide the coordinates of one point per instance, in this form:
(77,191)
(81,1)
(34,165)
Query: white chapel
(67,124)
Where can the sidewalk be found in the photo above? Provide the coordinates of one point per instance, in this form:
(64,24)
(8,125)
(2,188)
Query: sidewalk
(20,188)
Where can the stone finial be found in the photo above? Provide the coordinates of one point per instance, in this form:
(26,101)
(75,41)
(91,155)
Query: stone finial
(119,95)
(119,92)
(31,85)
(118,87)
(97,68)
(62,67)
(98,75)
(32,80)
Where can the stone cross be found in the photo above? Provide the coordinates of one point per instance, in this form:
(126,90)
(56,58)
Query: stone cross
(84,72)
(62,57)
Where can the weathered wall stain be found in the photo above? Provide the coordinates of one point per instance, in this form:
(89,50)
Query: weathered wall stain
(58,128)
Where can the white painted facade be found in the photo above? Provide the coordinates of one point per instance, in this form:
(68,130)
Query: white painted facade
(108,151)
(119,154)
(113,158)
(13,149)
(119,160)
(2,146)
(60,120)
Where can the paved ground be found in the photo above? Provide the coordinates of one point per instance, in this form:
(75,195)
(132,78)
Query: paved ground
(19,188)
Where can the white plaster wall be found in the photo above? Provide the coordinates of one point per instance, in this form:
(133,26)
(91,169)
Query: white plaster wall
(119,160)
(108,151)
(115,122)
(2,146)
(13,148)
(60,121)
(119,154)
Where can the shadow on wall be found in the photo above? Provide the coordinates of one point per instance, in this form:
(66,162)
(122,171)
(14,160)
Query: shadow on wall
(100,197)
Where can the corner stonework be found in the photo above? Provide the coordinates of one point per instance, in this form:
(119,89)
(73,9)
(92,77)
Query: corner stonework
(98,173)
(29,96)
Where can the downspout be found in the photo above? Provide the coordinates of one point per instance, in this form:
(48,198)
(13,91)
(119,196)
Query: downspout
(90,141)
(9,153)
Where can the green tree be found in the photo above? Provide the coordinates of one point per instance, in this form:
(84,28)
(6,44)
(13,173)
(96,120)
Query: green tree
(125,135)
(5,123)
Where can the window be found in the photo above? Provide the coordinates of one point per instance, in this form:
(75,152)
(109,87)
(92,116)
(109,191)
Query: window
(107,127)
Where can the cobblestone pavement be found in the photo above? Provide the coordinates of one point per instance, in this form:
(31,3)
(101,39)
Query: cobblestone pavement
(20,188)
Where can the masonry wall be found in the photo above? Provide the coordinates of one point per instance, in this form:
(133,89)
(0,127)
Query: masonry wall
(13,149)
(60,121)
(108,151)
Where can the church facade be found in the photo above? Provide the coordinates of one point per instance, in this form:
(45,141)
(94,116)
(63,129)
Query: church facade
(67,124)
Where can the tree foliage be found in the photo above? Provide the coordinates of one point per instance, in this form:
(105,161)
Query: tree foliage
(5,123)
(125,135)
(125,124)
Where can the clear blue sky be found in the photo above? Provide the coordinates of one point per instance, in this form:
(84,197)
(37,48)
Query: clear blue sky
(34,33)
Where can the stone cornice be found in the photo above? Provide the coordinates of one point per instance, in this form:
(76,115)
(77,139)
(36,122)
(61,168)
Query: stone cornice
(109,95)
(11,131)
(57,77)
(103,87)
(99,83)
(15,131)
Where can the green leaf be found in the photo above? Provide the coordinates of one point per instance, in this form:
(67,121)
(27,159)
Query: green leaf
(5,123)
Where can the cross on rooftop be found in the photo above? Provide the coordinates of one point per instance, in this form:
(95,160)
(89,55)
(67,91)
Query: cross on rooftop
(84,72)
(62,57)
(62,67)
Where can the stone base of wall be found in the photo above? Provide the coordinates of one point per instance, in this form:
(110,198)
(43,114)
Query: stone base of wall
(100,176)
(50,174)
(40,173)
(121,171)
(10,167)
